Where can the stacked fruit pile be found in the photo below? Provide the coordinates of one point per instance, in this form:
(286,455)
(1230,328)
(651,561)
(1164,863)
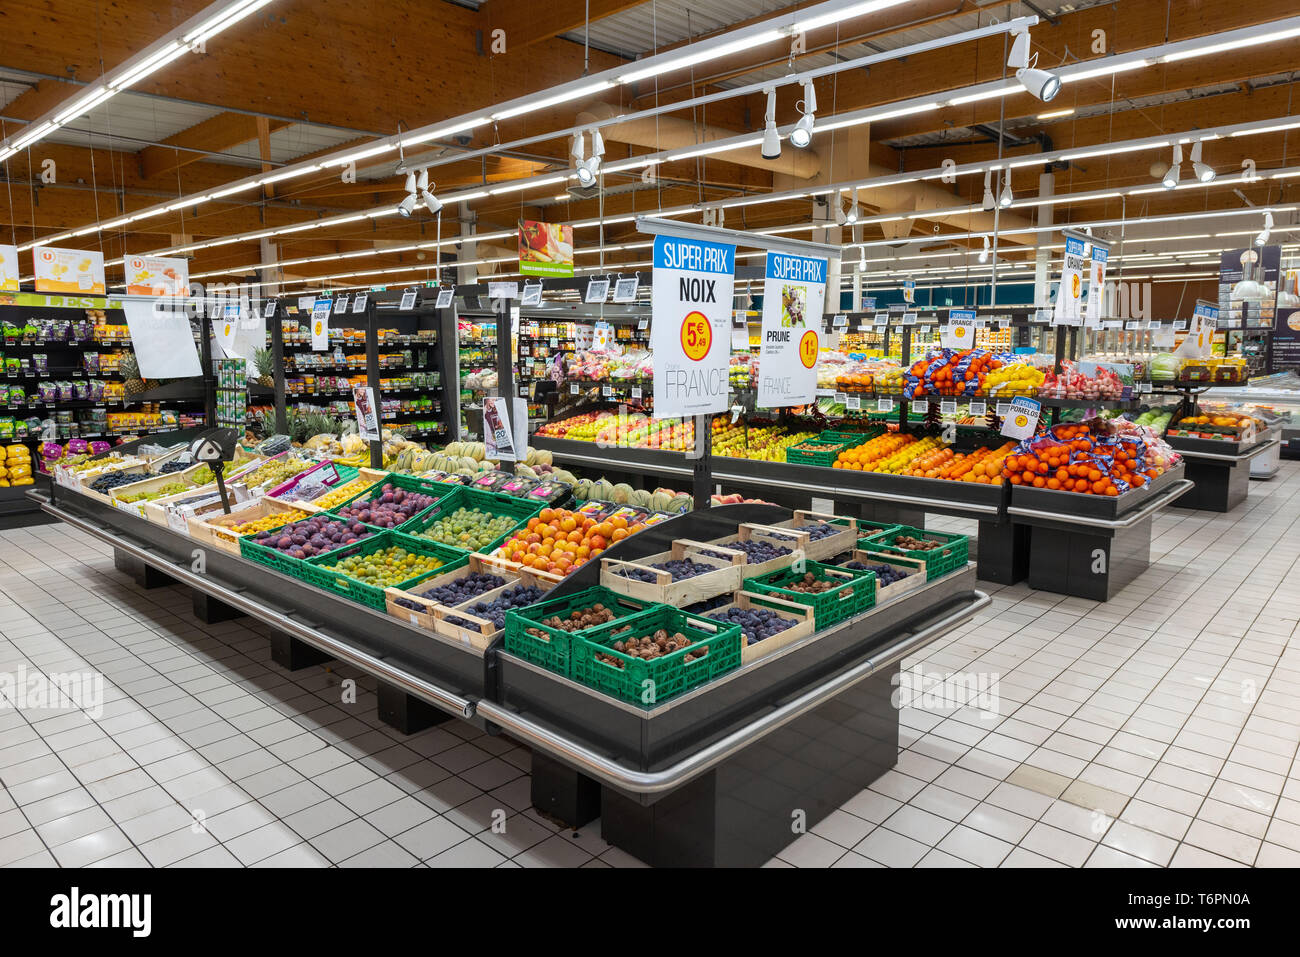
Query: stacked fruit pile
(457,592)
(649,647)
(983,466)
(314,536)
(886,575)
(277,472)
(495,610)
(171,488)
(266,523)
(469,529)
(679,568)
(929,464)
(755,623)
(386,567)
(106,483)
(559,541)
(861,456)
(1013,378)
(388,508)
(1074,384)
(339,494)
(1095,458)
(951,373)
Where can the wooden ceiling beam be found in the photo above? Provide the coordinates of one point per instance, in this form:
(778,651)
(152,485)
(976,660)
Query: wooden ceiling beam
(216,134)
(525,23)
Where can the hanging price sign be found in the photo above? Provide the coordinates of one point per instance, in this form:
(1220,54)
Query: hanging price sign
(1022,418)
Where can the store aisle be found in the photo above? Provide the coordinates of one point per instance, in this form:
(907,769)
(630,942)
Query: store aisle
(1160,728)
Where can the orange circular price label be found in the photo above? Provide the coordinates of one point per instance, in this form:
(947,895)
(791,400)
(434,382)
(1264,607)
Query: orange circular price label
(808,349)
(227,330)
(697,336)
(1022,420)
(319,328)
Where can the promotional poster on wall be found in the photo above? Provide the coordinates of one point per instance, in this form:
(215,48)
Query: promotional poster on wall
(545,249)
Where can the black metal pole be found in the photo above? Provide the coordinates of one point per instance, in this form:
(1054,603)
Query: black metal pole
(277,373)
(702,487)
(209,379)
(372,380)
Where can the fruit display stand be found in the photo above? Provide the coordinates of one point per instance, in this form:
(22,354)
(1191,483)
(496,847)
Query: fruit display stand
(804,727)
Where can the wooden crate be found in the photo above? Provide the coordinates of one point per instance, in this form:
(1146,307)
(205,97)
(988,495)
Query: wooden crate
(150,484)
(215,530)
(728,574)
(546,579)
(913,566)
(803,627)
(832,545)
(365,474)
(753,532)
(161,511)
(141,469)
(477,564)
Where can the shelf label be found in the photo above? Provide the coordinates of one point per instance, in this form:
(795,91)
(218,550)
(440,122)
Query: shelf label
(573,388)
(597,290)
(853,403)
(268,311)
(607,391)
(1003,409)
(948,406)
(532,294)
(503,290)
(840,321)
(884,405)
(1022,419)
(841,398)
(1180,325)
(408,299)
(636,392)
(978,408)
(359,303)
(920,406)
(341,305)
(642,325)
(909,318)
(1144,387)
(445,295)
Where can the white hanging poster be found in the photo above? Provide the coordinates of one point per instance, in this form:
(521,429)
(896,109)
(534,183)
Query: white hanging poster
(77,271)
(163,341)
(1097,286)
(8,268)
(794,296)
(1021,419)
(320,325)
(363,399)
(692,295)
(959,333)
(225,329)
(1070,294)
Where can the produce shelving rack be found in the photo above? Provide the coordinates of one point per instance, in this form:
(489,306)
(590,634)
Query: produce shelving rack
(594,755)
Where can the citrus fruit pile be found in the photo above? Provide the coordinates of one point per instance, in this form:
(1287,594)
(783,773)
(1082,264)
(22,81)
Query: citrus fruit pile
(559,541)
(1079,458)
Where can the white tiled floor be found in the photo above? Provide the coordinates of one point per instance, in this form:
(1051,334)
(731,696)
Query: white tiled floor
(1158,729)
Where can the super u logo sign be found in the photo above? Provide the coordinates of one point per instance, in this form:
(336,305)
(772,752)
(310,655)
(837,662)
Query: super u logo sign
(693,290)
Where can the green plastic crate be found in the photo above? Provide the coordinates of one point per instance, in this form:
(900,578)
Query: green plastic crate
(871,529)
(852,439)
(278,560)
(648,683)
(396,480)
(938,561)
(553,653)
(856,595)
(314,573)
(494,503)
(823,453)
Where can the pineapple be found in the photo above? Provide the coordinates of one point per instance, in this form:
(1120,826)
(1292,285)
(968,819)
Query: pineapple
(130,371)
(265,362)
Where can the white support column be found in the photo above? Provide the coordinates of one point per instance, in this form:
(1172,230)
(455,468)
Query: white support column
(1043,257)
(467,275)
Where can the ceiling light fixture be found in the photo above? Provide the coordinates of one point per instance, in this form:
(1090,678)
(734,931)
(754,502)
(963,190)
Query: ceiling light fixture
(1056,114)
(771,137)
(855,211)
(802,133)
(1263,237)
(984,253)
(1175,171)
(1007,197)
(989,201)
(1041,83)
(432,203)
(1203,172)
(407,205)
(588,169)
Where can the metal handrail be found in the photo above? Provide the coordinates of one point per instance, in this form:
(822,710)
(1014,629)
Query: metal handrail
(1245,456)
(1177,490)
(331,646)
(618,775)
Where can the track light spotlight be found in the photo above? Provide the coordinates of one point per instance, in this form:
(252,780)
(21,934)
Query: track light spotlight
(1203,172)
(984,253)
(854,213)
(407,205)
(771,138)
(1042,83)
(432,203)
(1263,238)
(1175,171)
(802,133)
(989,201)
(1007,197)
(588,169)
